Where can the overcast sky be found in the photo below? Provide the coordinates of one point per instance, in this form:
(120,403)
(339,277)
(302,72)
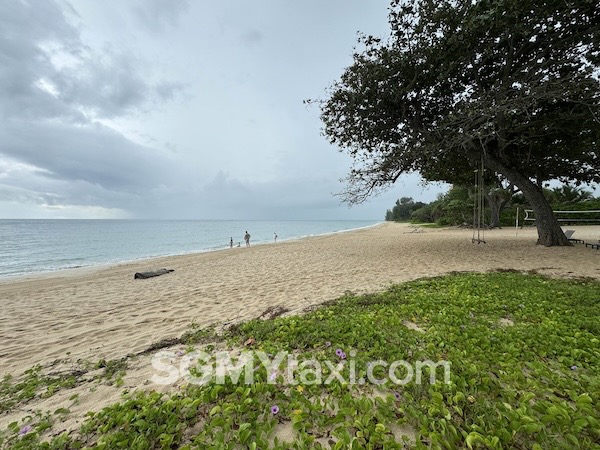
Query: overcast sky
(175,109)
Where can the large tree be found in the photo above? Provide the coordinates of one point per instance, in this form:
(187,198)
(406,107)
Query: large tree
(512,83)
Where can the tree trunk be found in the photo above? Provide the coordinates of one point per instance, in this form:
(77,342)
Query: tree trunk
(497,203)
(495,214)
(549,231)
(497,199)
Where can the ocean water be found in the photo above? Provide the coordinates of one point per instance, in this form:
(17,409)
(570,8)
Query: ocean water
(34,246)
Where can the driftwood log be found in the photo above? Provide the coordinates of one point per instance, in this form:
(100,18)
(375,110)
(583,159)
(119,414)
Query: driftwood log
(155,273)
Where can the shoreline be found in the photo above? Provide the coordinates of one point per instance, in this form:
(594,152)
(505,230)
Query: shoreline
(85,269)
(74,272)
(107,314)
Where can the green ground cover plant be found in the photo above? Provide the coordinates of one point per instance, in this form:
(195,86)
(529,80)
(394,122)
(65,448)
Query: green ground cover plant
(33,384)
(524,353)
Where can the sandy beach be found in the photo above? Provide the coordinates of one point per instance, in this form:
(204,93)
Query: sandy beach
(105,313)
(64,320)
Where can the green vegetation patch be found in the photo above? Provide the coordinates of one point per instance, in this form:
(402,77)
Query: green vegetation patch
(523,353)
(33,384)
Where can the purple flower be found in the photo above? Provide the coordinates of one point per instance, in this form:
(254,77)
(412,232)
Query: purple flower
(26,429)
(573,367)
(397,395)
(339,352)
(327,344)
(274,409)
(273,376)
(343,355)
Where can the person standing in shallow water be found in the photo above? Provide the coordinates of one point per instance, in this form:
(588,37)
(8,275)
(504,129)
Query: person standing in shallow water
(247,239)
(275,236)
(231,243)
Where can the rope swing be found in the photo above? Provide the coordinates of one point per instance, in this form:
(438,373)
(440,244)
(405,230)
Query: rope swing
(478,207)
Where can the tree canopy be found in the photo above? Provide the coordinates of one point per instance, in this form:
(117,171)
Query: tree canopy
(511,82)
(455,207)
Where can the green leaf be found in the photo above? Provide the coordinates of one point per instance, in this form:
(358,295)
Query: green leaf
(474,438)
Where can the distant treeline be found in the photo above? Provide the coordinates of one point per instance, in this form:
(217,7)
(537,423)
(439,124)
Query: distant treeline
(456,206)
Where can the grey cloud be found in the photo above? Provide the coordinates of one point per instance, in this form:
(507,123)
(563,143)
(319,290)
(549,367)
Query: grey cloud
(24,195)
(106,83)
(28,185)
(225,197)
(252,36)
(158,15)
(50,82)
(23,62)
(167,90)
(274,199)
(95,154)
(111,84)
(67,76)
(24,203)
(38,21)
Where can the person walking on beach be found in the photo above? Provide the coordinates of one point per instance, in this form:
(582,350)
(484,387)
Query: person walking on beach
(247,239)
(231,243)
(275,236)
